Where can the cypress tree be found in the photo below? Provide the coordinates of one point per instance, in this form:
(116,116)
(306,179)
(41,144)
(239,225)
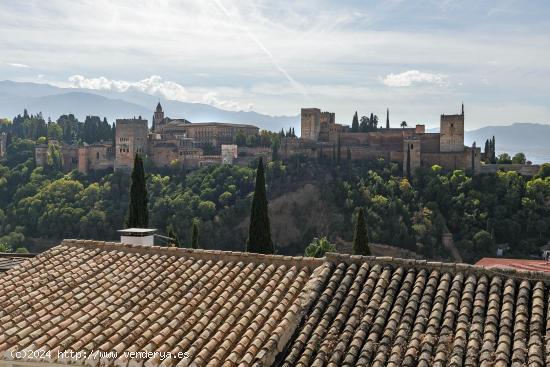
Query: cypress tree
(195,235)
(493,151)
(339,148)
(387,118)
(172,234)
(138,213)
(259,234)
(409,163)
(361,239)
(355,123)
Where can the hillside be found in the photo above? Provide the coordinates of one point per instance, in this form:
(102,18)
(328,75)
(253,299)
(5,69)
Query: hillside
(53,101)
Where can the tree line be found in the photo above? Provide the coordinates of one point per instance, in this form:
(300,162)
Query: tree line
(66,128)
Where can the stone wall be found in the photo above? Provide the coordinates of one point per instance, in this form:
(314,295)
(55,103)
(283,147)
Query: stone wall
(523,169)
(99,156)
(41,154)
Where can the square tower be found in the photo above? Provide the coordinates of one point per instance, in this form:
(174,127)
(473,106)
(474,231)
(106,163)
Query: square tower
(411,155)
(310,123)
(131,139)
(451,133)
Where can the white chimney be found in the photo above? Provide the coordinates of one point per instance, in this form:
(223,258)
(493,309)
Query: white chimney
(138,236)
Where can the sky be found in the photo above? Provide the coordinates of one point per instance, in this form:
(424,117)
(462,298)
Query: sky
(420,58)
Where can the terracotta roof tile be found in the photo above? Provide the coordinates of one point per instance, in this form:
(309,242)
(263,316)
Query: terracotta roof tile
(229,309)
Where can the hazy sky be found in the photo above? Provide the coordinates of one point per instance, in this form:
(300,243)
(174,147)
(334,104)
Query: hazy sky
(419,58)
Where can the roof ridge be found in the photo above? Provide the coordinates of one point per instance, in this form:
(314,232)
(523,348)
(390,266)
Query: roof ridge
(300,261)
(449,267)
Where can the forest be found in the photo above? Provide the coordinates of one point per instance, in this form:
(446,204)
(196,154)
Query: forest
(41,204)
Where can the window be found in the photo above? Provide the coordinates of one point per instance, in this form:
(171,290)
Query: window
(97,155)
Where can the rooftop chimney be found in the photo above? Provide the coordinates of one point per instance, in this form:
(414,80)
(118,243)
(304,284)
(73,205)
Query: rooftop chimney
(137,236)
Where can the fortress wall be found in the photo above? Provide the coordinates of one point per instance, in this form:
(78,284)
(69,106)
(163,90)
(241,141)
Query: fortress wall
(164,154)
(448,160)
(430,142)
(99,157)
(523,169)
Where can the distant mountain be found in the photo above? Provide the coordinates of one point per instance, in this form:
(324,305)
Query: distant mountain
(53,102)
(529,138)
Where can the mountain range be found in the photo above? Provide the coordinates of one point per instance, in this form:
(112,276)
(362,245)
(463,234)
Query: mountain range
(531,138)
(54,101)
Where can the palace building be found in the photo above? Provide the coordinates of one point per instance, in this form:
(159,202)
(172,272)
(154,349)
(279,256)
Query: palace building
(170,143)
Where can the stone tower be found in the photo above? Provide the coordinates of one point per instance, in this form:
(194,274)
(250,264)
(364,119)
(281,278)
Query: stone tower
(130,139)
(158,116)
(411,147)
(310,123)
(451,137)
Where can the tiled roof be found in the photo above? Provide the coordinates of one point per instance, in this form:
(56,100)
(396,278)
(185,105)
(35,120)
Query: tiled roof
(228,308)
(85,296)
(518,264)
(393,312)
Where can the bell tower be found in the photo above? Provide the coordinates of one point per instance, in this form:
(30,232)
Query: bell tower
(158,116)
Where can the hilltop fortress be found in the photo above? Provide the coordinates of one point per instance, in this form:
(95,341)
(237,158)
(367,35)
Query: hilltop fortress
(173,143)
(323,138)
(180,144)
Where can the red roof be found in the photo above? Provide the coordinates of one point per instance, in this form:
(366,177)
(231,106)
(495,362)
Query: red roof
(518,264)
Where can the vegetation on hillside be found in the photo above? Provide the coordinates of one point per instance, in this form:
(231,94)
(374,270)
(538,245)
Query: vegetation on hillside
(481,211)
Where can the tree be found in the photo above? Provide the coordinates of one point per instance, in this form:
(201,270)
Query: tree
(259,234)
(55,131)
(404,124)
(387,118)
(172,234)
(240,138)
(360,240)
(504,158)
(364,125)
(339,149)
(519,158)
(318,247)
(195,235)
(544,171)
(355,123)
(483,243)
(138,212)
(409,163)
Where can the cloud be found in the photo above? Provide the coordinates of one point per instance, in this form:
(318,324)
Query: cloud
(156,86)
(18,65)
(410,77)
